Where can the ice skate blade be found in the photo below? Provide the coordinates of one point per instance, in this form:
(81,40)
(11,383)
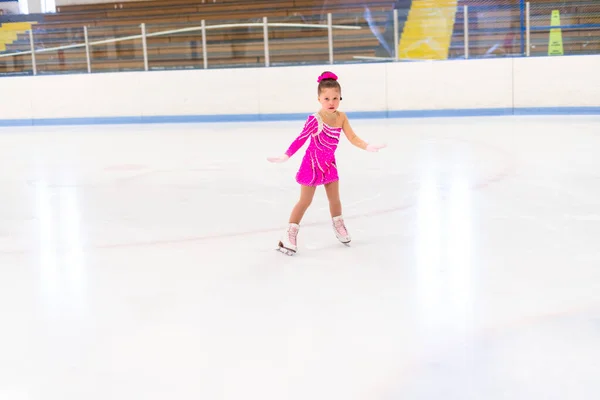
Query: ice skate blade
(345,243)
(287,252)
(284,250)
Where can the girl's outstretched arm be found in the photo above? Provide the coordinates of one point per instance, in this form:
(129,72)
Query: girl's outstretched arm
(310,127)
(349,132)
(354,139)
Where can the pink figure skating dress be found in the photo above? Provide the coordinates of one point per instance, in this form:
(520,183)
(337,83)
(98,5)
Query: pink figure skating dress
(318,166)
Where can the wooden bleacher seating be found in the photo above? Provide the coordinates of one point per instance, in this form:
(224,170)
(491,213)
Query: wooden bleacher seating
(232,47)
(494,31)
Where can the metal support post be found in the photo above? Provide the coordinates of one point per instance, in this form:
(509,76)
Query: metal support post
(144,47)
(522,24)
(396,36)
(527,30)
(330,36)
(266,40)
(466,30)
(31,44)
(87,50)
(204,51)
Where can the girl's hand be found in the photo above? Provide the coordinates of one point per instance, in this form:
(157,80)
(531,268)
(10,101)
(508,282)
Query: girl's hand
(373,148)
(278,159)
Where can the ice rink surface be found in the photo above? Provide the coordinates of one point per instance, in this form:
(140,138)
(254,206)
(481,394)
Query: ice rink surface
(138,262)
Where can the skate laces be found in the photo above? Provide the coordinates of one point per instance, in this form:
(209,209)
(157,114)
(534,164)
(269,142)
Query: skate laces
(292,232)
(340,227)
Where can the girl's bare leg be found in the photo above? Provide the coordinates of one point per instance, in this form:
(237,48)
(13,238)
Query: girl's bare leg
(333,194)
(306,195)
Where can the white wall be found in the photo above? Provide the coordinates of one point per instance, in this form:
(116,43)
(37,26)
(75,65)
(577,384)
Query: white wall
(557,82)
(421,88)
(10,7)
(456,84)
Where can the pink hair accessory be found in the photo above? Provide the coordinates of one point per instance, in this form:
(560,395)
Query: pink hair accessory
(327,75)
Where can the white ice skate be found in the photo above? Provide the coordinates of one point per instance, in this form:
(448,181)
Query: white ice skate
(340,230)
(288,244)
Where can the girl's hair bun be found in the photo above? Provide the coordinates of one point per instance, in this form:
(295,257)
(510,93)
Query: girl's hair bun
(327,75)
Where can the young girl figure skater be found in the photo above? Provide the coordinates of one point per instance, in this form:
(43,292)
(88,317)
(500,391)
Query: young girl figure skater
(318,167)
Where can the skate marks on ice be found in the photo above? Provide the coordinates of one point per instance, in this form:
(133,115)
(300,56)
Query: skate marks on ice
(176,188)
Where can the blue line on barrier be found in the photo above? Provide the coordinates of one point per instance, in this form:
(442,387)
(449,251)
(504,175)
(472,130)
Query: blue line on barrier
(475,112)
(85,121)
(16,122)
(557,111)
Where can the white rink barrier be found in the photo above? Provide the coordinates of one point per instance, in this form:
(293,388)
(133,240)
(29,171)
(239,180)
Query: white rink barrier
(544,85)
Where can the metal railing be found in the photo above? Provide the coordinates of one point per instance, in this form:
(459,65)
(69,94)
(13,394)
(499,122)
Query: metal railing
(202,28)
(525,29)
(528,24)
(478,31)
